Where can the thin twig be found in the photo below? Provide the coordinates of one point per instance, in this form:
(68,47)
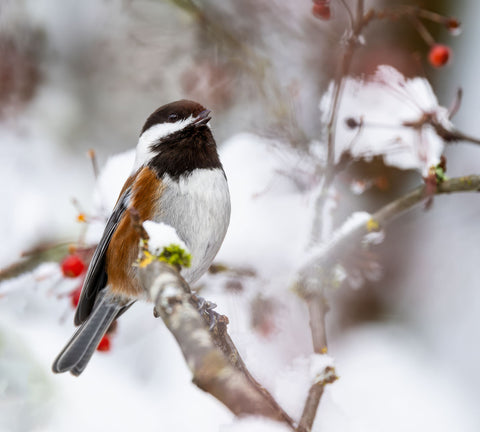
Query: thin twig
(460,136)
(451,135)
(93,158)
(357,27)
(316,301)
(349,12)
(457,102)
(422,31)
(317,310)
(32,259)
(360,10)
(313,399)
(317,305)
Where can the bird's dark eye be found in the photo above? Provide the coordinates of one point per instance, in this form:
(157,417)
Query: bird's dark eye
(173,117)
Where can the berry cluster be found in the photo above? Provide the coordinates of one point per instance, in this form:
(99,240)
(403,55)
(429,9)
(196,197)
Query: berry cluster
(75,264)
(439,54)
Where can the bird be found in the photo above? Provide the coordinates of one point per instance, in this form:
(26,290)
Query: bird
(177,179)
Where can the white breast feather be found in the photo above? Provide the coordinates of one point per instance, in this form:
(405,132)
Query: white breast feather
(198,207)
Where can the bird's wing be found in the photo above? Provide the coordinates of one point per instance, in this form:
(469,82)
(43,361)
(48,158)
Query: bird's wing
(96,278)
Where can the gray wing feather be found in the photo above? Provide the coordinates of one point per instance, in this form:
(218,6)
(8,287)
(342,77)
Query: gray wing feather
(96,278)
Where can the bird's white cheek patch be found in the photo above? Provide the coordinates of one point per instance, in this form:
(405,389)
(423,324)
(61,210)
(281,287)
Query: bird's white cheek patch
(151,136)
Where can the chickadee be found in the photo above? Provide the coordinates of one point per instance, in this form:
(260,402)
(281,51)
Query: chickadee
(177,179)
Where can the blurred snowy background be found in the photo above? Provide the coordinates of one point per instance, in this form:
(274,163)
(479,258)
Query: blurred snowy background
(85,75)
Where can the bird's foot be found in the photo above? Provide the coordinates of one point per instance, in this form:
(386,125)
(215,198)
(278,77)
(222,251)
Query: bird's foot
(205,308)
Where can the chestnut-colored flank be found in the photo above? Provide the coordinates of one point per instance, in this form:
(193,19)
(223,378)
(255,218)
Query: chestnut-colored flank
(124,245)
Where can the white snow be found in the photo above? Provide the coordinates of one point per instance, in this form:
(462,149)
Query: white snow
(318,365)
(389,381)
(111,179)
(162,235)
(352,223)
(383,102)
(254,424)
(264,205)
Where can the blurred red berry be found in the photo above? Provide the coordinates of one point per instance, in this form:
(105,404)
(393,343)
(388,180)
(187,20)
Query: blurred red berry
(382,183)
(72,266)
(75,296)
(452,24)
(439,55)
(322,10)
(104,344)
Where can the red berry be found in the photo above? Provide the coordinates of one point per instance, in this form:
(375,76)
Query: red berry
(382,183)
(72,266)
(439,55)
(452,24)
(104,344)
(75,296)
(322,10)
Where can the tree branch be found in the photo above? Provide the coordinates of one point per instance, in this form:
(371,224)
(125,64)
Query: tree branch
(317,310)
(316,301)
(332,251)
(211,356)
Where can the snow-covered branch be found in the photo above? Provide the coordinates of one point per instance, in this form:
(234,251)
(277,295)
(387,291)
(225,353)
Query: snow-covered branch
(322,366)
(344,238)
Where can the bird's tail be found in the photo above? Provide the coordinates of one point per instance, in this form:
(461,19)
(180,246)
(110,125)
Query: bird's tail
(78,351)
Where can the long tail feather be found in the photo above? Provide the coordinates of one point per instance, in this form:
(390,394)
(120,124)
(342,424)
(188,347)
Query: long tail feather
(78,351)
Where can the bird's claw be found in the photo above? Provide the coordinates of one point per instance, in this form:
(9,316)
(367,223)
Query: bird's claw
(206,307)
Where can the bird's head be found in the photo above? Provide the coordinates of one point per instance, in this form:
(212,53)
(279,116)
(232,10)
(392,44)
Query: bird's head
(176,122)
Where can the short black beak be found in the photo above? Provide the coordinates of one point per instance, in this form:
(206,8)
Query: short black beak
(203,118)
